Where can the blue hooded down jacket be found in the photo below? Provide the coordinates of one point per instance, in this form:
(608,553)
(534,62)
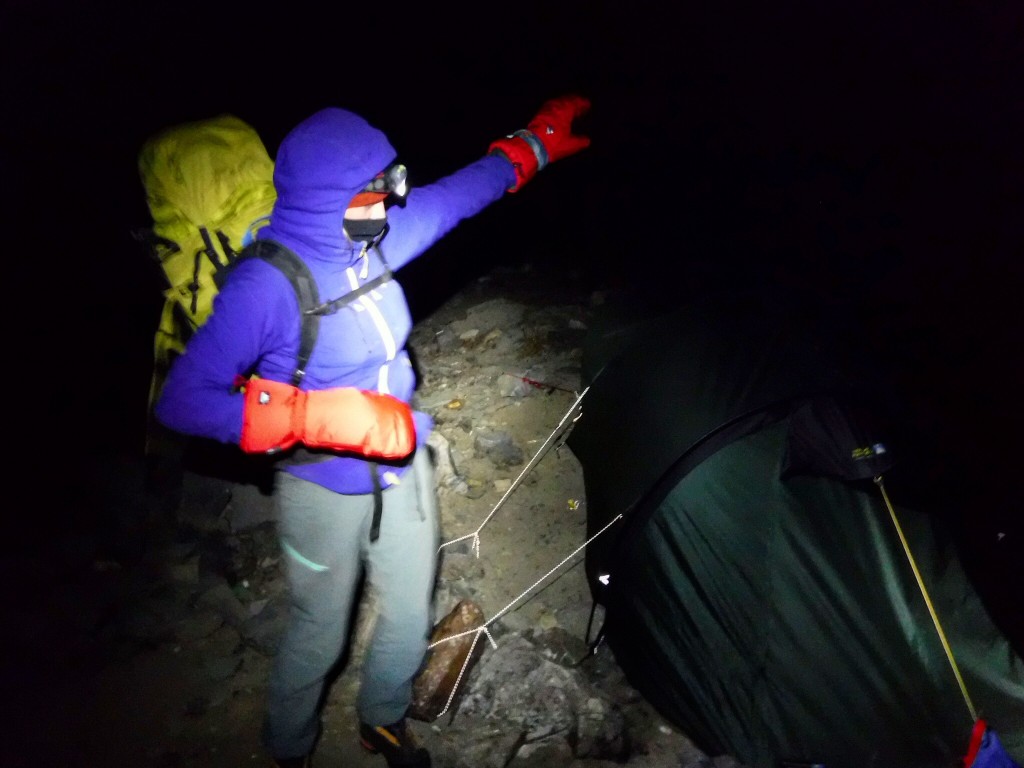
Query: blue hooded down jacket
(321,165)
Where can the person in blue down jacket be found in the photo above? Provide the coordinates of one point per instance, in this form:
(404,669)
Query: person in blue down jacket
(354,483)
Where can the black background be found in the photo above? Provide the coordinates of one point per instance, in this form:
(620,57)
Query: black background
(867,152)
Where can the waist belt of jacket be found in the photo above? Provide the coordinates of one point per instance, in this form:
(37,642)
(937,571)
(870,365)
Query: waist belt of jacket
(311,310)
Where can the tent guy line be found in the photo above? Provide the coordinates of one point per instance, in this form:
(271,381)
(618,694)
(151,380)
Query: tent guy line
(475,535)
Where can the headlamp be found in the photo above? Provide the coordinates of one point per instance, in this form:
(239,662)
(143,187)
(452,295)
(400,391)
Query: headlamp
(393,180)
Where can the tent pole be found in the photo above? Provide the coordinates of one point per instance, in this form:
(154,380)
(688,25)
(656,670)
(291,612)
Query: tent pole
(927,600)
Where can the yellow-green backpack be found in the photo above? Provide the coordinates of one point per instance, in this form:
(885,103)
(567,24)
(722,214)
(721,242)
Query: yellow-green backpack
(209,187)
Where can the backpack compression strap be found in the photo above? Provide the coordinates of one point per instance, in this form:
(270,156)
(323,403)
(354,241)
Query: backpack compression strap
(332,306)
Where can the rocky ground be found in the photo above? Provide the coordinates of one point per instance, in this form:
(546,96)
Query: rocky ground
(157,653)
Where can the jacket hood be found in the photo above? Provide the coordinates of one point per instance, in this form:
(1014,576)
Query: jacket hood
(320,166)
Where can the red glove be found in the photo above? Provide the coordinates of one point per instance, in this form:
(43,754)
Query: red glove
(546,138)
(276,416)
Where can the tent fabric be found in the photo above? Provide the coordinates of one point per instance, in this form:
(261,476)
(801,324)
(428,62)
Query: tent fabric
(755,598)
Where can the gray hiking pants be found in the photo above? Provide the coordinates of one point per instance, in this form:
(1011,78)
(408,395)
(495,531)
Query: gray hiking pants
(325,538)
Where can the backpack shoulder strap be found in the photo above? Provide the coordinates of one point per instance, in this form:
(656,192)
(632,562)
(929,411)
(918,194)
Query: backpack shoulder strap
(302,281)
(310,308)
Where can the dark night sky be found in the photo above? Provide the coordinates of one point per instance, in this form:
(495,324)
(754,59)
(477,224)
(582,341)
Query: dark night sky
(869,152)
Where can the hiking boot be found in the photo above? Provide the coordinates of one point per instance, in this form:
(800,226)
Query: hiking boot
(396,743)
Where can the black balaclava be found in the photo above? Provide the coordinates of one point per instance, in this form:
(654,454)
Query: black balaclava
(365,230)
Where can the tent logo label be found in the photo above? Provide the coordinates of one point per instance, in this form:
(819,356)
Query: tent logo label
(867,452)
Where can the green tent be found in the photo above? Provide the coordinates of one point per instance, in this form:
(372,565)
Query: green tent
(756,588)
